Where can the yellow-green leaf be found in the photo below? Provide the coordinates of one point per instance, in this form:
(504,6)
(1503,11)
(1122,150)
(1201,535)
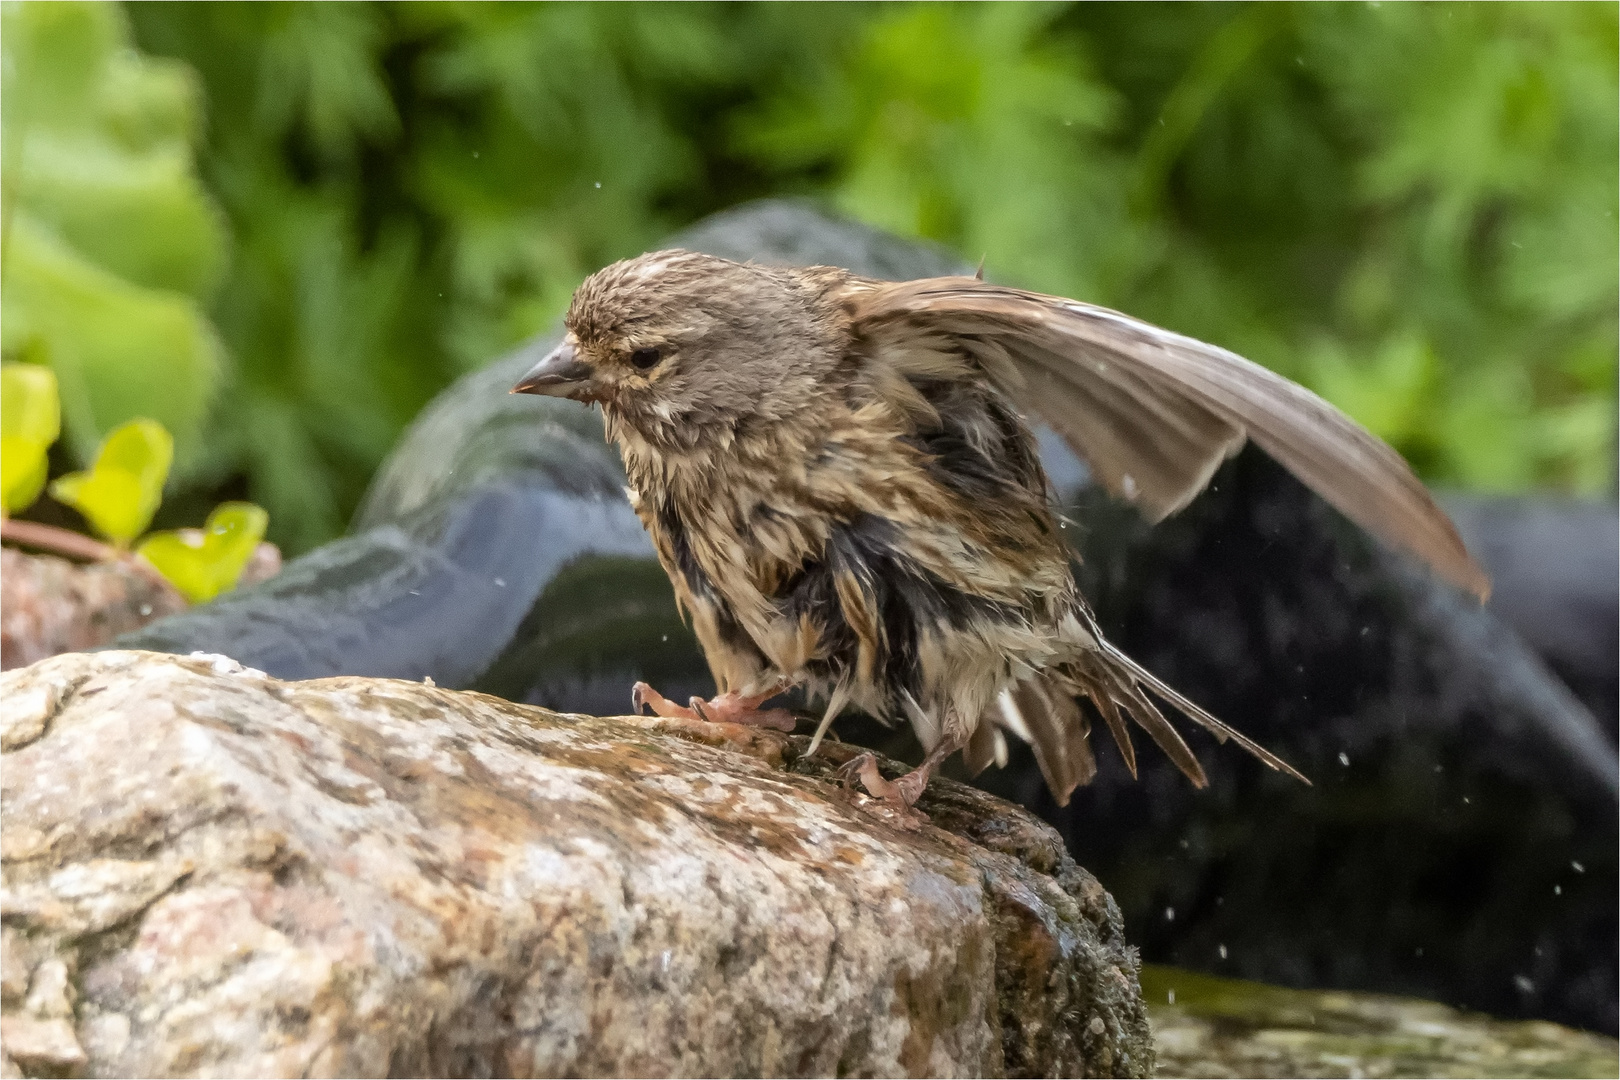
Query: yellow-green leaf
(28,403)
(202,563)
(30,420)
(119,493)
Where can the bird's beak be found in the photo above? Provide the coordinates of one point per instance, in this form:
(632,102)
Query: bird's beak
(560,374)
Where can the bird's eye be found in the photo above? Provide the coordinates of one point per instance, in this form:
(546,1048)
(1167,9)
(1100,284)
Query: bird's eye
(645,359)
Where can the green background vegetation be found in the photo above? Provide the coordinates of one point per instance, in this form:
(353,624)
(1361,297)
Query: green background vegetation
(281,228)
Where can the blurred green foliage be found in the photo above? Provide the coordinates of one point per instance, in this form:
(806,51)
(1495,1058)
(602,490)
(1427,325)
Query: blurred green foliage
(1409,207)
(110,247)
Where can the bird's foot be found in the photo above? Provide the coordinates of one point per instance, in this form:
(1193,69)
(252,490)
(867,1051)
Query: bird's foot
(901,794)
(863,769)
(727,708)
(898,795)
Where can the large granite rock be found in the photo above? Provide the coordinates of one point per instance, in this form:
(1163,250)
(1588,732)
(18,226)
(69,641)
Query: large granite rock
(1460,842)
(211,872)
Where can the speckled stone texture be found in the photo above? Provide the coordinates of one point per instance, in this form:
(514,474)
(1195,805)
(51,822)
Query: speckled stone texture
(208,871)
(49,605)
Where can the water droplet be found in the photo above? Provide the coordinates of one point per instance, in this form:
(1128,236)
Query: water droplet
(1223,952)
(1577,867)
(599,185)
(1558,890)
(1169,914)
(1344,759)
(1171,997)
(1524,984)
(500,582)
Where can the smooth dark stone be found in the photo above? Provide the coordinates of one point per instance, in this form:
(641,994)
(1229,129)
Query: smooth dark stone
(1555,567)
(495,551)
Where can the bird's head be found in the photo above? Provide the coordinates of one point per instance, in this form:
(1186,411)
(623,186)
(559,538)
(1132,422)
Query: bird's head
(678,340)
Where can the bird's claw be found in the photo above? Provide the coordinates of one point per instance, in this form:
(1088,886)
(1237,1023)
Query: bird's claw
(728,708)
(643,696)
(863,769)
(895,795)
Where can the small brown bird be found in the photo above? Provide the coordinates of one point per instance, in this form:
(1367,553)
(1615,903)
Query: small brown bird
(841,485)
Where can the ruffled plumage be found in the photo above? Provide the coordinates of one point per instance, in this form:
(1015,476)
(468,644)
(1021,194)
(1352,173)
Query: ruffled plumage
(839,478)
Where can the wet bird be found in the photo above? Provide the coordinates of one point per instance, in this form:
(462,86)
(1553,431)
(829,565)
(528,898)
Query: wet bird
(840,481)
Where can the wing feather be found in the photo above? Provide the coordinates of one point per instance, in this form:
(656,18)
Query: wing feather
(1155,413)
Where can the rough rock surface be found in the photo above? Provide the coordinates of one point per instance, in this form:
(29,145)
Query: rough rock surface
(49,605)
(208,871)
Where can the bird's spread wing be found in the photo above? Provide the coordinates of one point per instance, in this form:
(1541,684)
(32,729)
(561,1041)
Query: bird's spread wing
(1155,413)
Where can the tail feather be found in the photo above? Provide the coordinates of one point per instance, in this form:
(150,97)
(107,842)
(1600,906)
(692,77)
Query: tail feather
(1055,729)
(1045,712)
(1148,717)
(1117,727)
(1222,731)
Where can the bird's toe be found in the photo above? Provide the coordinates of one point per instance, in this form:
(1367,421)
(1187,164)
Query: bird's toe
(643,696)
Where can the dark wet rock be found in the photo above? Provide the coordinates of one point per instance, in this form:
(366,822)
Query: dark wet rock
(365,877)
(1555,570)
(1463,848)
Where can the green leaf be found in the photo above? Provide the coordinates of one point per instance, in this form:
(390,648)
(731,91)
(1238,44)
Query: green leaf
(122,490)
(202,563)
(30,420)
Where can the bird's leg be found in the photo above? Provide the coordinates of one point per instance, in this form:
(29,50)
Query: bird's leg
(904,792)
(728,708)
